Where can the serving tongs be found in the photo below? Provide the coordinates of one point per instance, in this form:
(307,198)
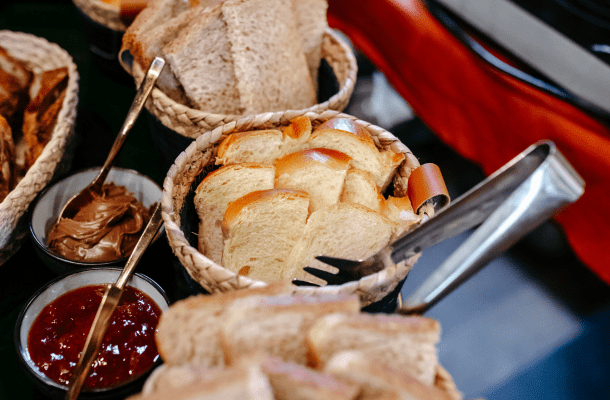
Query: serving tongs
(507,205)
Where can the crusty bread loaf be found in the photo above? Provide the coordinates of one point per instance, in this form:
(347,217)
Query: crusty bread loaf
(188,330)
(378,380)
(263,146)
(344,230)
(360,188)
(241,382)
(319,172)
(291,381)
(198,58)
(278,325)
(214,194)
(403,343)
(260,230)
(268,79)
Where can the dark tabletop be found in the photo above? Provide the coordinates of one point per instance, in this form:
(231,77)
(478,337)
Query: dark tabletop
(105,95)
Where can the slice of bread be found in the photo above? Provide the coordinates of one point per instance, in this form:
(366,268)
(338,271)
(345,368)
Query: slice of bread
(188,330)
(214,194)
(7,158)
(344,230)
(363,151)
(291,381)
(15,80)
(404,343)
(241,382)
(378,380)
(263,146)
(360,187)
(260,230)
(200,57)
(296,134)
(268,79)
(311,23)
(319,172)
(278,325)
(400,210)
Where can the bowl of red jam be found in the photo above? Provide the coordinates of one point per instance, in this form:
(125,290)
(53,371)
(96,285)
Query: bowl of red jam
(53,325)
(104,232)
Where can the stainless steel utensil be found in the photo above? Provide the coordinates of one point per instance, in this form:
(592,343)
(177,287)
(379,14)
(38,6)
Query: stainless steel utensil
(508,204)
(95,187)
(109,303)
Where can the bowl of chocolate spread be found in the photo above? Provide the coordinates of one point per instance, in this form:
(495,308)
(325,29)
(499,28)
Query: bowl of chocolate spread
(104,232)
(53,325)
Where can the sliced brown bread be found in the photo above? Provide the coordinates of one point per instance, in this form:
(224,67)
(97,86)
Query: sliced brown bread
(214,194)
(268,80)
(188,330)
(378,380)
(319,172)
(311,23)
(403,343)
(278,325)
(360,187)
(344,230)
(200,57)
(260,230)
(263,146)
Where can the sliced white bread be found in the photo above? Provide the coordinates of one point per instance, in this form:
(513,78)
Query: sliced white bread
(214,194)
(278,325)
(188,330)
(319,172)
(400,210)
(403,343)
(360,187)
(333,134)
(378,380)
(260,230)
(237,383)
(268,79)
(263,146)
(200,56)
(344,230)
(295,135)
(291,381)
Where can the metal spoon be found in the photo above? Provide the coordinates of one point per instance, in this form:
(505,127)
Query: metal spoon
(86,195)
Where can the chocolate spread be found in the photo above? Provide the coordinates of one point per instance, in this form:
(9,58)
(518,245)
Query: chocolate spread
(106,229)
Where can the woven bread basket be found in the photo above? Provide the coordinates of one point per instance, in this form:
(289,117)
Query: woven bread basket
(198,159)
(105,14)
(191,123)
(56,157)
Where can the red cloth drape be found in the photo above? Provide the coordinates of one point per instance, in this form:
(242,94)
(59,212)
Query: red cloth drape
(485,115)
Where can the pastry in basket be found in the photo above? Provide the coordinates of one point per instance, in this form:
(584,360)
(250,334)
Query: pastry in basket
(282,197)
(232,57)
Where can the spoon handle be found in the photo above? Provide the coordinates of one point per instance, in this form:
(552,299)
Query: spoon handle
(154,70)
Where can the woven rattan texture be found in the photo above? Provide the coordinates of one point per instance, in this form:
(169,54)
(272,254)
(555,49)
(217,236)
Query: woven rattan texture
(56,158)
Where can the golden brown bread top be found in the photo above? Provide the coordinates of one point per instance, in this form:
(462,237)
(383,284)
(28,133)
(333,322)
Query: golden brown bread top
(298,128)
(236,137)
(300,159)
(344,124)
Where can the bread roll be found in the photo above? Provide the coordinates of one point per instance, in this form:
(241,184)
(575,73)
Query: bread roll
(260,230)
(188,330)
(278,325)
(214,194)
(403,343)
(319,172)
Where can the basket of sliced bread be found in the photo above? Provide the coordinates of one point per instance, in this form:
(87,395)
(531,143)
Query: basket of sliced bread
(235,59)
(246,205)
(38,102)
(270,343)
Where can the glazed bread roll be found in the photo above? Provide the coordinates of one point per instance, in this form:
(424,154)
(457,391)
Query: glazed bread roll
(260,230)
(216,191)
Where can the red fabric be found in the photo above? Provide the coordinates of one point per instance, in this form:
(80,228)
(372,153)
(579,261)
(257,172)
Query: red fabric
(485,115)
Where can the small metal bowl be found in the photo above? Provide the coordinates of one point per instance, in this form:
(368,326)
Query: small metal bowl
(48,205)
(56,288)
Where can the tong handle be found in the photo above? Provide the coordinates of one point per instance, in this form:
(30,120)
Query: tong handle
(551,186)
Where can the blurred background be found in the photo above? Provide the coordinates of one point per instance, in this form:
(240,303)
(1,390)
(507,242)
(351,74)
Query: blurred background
(534,323)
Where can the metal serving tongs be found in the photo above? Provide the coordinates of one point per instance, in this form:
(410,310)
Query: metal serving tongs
(508,204)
